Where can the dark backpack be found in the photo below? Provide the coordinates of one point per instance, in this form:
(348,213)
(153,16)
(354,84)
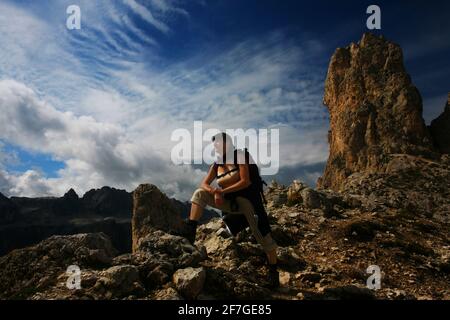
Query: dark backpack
(255,177)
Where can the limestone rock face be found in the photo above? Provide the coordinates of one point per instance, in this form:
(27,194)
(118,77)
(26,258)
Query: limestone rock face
(440,129)
(375,110)
(153,210)
(189,281)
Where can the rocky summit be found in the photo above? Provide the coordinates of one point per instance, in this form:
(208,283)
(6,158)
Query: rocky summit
(383,203)
(375,110)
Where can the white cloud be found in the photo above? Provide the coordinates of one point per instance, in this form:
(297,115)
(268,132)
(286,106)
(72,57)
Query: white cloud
(110,119)
(95,153)
(168,6)
(31,183)
(145,14)
(102,153)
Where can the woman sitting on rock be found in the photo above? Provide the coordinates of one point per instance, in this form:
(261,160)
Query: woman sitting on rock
(237,195)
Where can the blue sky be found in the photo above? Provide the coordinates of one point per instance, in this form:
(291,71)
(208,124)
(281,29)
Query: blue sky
(96,106)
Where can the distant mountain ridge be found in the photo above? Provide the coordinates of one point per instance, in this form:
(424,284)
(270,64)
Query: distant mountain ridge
(25,221)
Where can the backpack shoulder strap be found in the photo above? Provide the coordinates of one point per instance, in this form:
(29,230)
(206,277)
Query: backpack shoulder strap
(246,155)
(214,167)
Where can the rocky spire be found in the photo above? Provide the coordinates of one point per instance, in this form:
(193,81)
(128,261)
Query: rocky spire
(71,194)
(375,110)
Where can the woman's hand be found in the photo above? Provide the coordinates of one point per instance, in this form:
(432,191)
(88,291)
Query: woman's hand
(206,182)
(218,197)
(212,190)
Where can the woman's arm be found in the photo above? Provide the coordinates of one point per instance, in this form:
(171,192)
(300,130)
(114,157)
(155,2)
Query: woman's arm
(206,182)
(243,182)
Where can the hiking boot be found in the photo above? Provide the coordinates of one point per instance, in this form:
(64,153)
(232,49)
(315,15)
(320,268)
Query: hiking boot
(190,230)
(273,276)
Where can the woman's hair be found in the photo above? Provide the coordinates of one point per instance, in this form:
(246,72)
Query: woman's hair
(228,146)
(225,138)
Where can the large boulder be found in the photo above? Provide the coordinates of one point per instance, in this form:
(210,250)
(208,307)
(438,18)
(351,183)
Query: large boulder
(375,110)
(153,210)
(189,282)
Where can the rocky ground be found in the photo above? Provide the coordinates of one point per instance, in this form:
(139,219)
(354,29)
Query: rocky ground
(326,240)
(385,219)
(384,200)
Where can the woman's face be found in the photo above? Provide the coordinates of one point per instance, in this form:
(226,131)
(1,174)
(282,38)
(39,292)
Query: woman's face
(219,146)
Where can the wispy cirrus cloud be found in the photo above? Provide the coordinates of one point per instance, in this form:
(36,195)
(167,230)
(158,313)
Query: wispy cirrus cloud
(146,14)
(100,102)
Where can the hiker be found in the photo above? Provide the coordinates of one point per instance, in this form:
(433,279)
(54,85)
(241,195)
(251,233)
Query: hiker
(239,196)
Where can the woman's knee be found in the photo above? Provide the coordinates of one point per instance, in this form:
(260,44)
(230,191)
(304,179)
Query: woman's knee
(200,197)
(200,192)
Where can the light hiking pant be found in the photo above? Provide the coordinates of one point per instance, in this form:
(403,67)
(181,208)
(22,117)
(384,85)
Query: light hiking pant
(203,198)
